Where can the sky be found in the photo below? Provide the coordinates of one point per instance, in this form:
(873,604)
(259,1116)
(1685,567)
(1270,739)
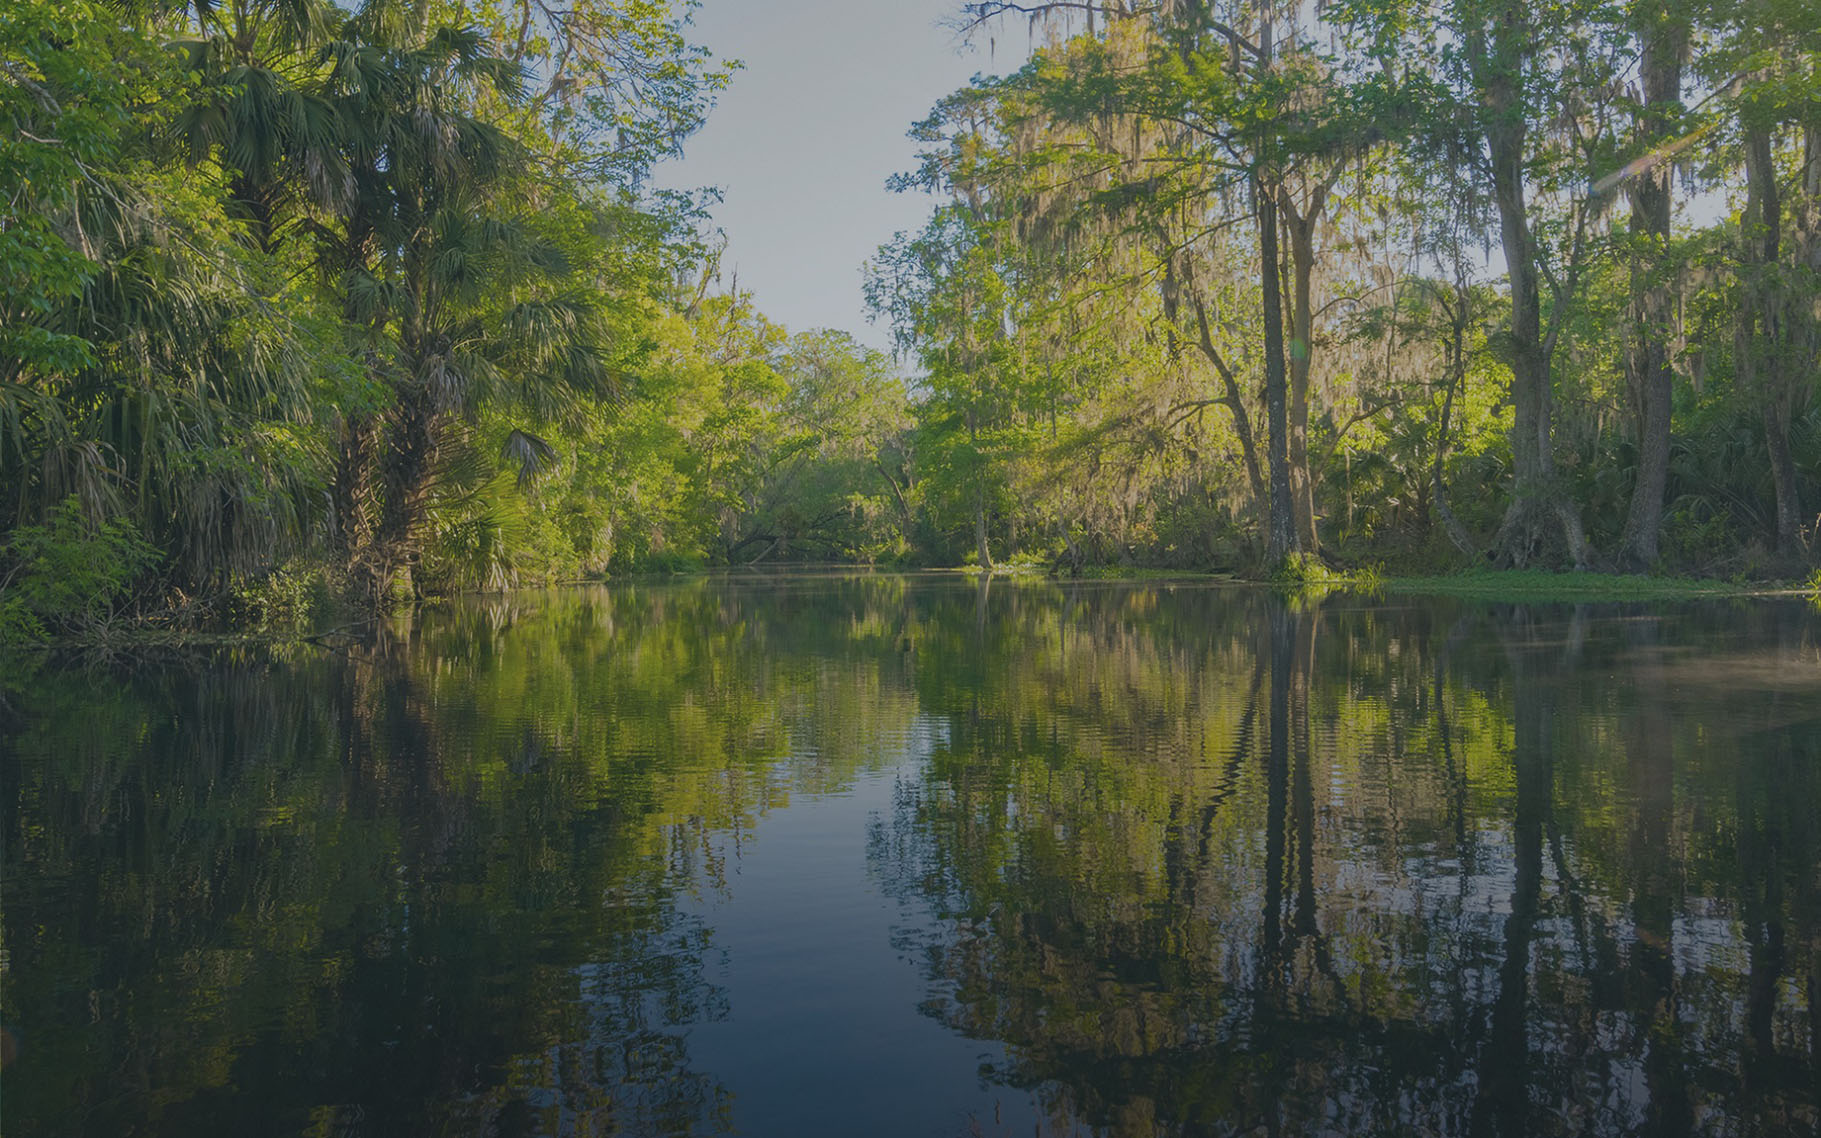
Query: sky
(803,140)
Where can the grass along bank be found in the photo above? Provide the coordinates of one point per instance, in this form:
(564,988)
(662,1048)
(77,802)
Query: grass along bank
(1541,585)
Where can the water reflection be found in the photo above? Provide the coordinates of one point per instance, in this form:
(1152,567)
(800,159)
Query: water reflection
(1189,859)
(1346,869)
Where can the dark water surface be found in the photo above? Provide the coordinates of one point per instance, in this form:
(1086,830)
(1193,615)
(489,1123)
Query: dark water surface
(878,855)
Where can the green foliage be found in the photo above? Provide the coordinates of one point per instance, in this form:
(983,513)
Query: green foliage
(312,281)
(296,598)
(1535,585)
(377,289)
(66,99)
(1090,333)
(69,574)
(1308,570)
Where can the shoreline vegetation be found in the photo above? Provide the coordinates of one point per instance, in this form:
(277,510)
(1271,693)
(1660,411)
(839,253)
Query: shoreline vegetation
(1485,586)
(1517,586)
(312,311)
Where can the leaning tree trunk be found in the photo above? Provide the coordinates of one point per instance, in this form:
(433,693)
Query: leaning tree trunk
(1647,363)
(1438,487)
(1230,397)
(1234,401)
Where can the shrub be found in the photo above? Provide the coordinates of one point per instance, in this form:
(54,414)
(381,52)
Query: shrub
(68,575)
(1308,570)
(292,599)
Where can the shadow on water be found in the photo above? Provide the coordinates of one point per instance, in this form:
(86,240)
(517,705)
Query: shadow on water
(1196,860)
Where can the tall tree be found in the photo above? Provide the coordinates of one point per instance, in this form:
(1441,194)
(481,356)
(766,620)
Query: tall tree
(461,300)
(1770,51)
(1662,31)
(1504,41)
(1233,110)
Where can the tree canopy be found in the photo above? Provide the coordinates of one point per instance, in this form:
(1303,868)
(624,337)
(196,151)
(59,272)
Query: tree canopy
(375,301)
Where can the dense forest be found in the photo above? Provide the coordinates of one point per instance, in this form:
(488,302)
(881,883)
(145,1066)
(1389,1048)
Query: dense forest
(305,305)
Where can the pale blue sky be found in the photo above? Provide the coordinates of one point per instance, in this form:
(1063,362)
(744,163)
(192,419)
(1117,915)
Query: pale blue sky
(802,142)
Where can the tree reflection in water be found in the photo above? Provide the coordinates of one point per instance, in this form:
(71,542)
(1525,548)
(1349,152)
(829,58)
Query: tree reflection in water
(1567,885)
(1204,860)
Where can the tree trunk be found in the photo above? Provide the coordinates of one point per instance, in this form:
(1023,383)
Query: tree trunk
(1438,490)
(983,553)
(407,472)
(351,507)
(1231,397)
(1280,530)
(1808,234)
(1762,345)
(1783,477)
(1802,325)
(1302,345)
(903,504)
(1647,364)
(1536,503)
(980,545)
(1235,402)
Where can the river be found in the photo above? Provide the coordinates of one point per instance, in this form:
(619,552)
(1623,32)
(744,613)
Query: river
(870,854)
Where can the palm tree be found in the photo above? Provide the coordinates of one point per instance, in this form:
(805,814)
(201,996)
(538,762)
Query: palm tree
(163,384)
(260,112)
(456,301)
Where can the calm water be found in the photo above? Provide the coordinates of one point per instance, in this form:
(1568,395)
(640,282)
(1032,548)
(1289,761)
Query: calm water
(874,855)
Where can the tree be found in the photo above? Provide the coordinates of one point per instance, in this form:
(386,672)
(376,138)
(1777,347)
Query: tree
(143,369)
(1502,69)
(951,301)
(1663,32)
(168,353)
(1770,51)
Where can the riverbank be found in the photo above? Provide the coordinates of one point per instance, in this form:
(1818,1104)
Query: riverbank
(1514,586)
(1492,585)
(1542,586)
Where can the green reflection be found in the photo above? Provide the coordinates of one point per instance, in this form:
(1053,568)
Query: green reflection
(1232,865)
(424,887)
(1204,860)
